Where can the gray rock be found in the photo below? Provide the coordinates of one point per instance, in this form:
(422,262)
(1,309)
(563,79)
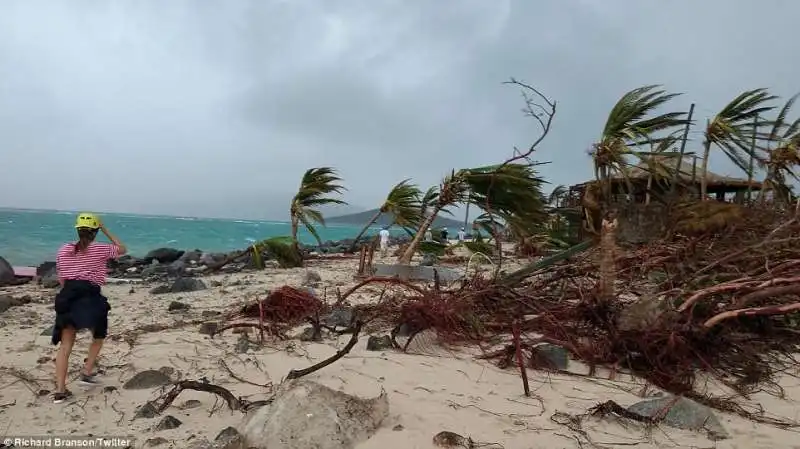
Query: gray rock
(550,357)
(429,260)
(228,438)
(6,272)
(191,257)
(163,255)
(180,285)
(243,344)
(339,317)
(157,441)
(184,285)
(199,443)
(160,290)
(147,379)
(168,422)
(305,414)
(7,302)
(175,306)
(311,278)
(375,343)
(48,276)
(191,403)
(148,410)
(683,414)
(308,334)
(209,328)
(177,268)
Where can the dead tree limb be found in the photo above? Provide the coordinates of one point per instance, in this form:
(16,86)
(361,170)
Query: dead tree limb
(296,374)
(376,279)
(233,402)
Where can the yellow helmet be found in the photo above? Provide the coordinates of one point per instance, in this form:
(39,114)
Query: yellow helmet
(87,220)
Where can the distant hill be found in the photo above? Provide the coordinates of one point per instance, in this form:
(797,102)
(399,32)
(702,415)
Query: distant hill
(359,219)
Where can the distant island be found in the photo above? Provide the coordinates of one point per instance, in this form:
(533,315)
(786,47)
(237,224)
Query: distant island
(360,218)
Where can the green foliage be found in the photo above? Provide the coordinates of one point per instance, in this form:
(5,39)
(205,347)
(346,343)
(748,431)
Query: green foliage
(281,248)
(733,128)
(315,189)
(630,124)
(404,202)
(435,248)
(479,247)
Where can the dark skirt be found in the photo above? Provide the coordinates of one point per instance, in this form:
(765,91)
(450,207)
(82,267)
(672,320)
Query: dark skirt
(80,305)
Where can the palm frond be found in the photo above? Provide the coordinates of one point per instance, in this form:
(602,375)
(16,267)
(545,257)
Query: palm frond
(281,249)
(404,203)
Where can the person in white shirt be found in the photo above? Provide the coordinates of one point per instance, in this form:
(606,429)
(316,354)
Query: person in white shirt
(384,235)
(462,235)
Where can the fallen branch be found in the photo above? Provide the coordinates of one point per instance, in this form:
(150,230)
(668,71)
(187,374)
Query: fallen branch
(296,374)
(374,280)
(233,402)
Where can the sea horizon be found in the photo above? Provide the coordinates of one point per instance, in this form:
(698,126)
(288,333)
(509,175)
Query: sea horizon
(29,237)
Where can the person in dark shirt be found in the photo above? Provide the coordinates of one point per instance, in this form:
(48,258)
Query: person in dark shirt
(444,235)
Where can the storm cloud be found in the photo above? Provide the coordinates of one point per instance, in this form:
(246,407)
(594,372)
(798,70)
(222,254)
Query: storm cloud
(216,108)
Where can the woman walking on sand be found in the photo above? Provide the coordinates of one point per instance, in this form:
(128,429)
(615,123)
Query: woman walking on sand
(81,268)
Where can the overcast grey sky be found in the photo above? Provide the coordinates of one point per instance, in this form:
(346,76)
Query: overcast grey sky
(216,108)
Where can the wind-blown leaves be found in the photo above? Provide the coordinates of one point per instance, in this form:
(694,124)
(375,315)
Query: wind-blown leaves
(631,124)
(511,193)
(781,153)
(405,205)
(315,189)
(733,128)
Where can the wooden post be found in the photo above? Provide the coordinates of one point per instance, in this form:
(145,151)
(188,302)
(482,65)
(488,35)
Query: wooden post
(752,156)
(676,175)
(515,331)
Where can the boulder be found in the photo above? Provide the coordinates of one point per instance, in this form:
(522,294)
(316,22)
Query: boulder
(163,255)
(6,272)
(306,414)
(683,414)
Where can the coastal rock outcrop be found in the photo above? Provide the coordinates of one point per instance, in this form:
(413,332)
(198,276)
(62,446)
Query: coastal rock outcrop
(306,414)
(6,272)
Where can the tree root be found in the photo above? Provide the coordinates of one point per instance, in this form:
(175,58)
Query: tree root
(296,374)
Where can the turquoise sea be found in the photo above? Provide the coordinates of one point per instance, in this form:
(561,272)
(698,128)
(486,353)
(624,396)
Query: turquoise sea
(30,237)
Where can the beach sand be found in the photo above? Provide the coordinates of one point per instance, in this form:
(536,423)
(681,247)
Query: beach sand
(430,389)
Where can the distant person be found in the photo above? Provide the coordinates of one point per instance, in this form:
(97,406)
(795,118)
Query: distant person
(81,268)
(462,235)
(444,234)
(384,235)
(428,235)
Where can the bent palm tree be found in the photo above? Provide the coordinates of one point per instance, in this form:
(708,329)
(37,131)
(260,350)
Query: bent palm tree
(511,192)
(403,202)
(315,187)
(629,125)
(782,154)
(732,129)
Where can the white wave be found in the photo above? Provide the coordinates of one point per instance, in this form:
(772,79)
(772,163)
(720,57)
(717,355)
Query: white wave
(172,241)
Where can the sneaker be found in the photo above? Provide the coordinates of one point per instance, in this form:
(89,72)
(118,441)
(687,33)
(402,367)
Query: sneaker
(88,379)
(61,397)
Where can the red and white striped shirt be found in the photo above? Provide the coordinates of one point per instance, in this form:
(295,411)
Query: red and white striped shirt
(88,265)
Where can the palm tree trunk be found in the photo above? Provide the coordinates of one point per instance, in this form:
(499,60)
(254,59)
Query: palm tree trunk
(704,170)
(649,187)
(364,229)
(412,246)
(295,227)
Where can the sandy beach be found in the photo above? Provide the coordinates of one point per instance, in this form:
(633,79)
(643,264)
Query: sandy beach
(430,389)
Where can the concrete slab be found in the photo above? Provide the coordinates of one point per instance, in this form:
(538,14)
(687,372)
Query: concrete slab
(25,272)
(416,272)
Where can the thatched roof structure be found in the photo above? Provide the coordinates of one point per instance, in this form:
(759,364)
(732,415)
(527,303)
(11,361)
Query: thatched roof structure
(664,166)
